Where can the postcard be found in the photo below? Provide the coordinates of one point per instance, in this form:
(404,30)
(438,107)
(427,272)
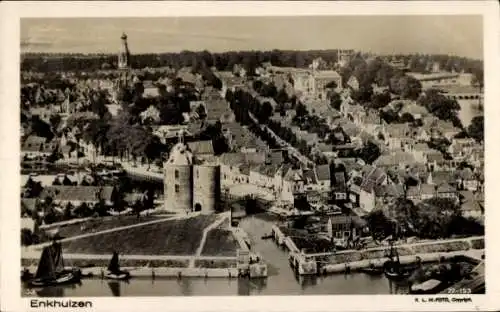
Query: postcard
(194,155)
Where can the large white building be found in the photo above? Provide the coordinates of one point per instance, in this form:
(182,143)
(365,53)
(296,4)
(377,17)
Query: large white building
(316,83)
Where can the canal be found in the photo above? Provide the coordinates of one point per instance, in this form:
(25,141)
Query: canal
(281,279)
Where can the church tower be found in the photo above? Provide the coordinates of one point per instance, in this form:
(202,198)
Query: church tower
(123,81)
(124,56)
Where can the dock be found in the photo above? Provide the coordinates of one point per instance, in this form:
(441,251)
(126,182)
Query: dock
(354,260)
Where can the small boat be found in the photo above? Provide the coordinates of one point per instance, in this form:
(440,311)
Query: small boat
(267,236)
(372,270)
(393,269)
(114,272)
(430,286)
(51,271)
(26,275)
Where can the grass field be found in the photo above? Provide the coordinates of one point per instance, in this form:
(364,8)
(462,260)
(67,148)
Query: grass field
(220,243)
(99,224)
(440,247)
(176,237)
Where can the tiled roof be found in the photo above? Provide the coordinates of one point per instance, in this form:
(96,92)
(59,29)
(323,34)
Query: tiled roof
(339,181)
(373,178)
(201,147)
(309,177)
(398,130)
(465,174)
(326,74)
(357,221)
(351,129)
(267,170)
(393,190)
(395,159)
(216,108)
(323,172)
(446,188)
(440,177)
(423,147)
(427,189)
(413,191)
(323,147)
(78,193)
(30,203)
(38,144)
(414,109)
(275,158)
(33,139)
(437,157)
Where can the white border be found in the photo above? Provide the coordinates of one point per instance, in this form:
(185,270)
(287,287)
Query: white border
(9,151)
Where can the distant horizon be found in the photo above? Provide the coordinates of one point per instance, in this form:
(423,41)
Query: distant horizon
(83,54)
(460,36)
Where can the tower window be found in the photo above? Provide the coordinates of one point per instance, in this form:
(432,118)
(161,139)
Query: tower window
(176,174)
(177,190)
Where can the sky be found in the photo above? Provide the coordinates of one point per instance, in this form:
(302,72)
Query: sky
(457,35)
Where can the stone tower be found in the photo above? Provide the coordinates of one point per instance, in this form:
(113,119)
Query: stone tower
(178,178)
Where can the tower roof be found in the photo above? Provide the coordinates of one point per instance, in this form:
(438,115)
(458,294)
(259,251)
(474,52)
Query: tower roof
(180,155)
(124,36)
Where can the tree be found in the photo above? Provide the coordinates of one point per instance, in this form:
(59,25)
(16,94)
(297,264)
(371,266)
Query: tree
(380,100)
(300,110)
(438,105)
(200,110)
(265,112)
(55,121)
(282,97)
(380,226)
(54,156)
(83,211)
(33,189)
(41,128)
(68,212)
(98,103)
(335,100)
(476,128)
(26,237)
(369,153)
(406,86)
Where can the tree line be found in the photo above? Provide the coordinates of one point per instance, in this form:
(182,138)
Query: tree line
(39,62)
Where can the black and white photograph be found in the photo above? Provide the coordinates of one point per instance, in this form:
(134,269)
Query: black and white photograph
(251,155)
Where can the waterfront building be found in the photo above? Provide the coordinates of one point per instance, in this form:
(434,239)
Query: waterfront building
(439,79)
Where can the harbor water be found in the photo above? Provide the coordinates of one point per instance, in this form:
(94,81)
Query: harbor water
(281,280)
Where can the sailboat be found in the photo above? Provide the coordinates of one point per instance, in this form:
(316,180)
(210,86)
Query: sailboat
(393,269)
(114,271)
(51,269)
